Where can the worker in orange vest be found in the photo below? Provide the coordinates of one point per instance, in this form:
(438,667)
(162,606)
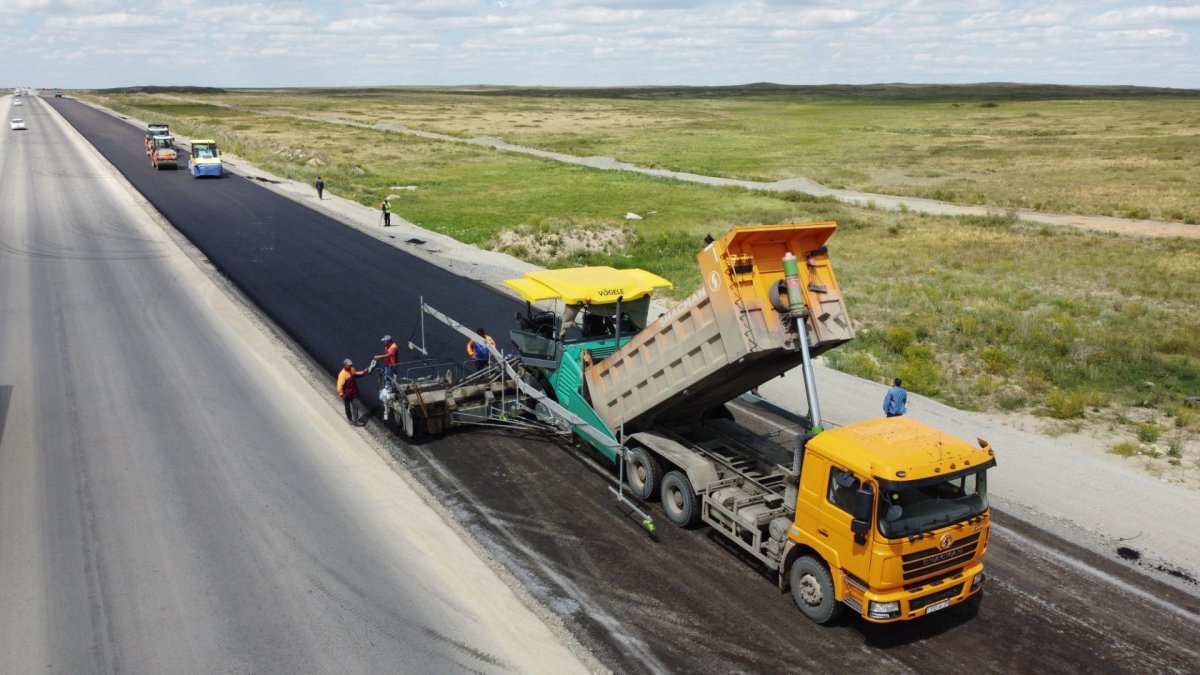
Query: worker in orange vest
(347,389)
(480,352)
(390,356)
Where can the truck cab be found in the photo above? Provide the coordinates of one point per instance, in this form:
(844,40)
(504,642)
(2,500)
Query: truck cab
(898,513)
(205,159)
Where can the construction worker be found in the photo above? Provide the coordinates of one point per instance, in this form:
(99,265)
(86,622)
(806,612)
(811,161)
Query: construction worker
(385,208)
(390,356)
(480,351)
(320,185)
(347,389)
(894,402)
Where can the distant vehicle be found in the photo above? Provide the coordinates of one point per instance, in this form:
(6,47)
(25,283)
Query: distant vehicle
(17,101)
(153,130)
(162,153)
(58,93)
(205,159)
(18,124)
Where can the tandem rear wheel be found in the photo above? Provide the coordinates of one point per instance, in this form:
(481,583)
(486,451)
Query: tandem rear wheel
(679,499)
(643,473)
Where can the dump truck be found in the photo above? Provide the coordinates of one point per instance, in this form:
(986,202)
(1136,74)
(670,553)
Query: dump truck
(162,153)
(153,130)
(205,159)
(888,518)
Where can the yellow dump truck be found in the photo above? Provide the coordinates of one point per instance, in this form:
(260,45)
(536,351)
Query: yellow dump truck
(888,517)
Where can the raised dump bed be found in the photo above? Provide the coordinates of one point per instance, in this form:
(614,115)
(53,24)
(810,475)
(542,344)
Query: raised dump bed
(733,334)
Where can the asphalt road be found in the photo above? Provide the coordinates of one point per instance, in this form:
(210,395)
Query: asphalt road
(681,601)
(174,495)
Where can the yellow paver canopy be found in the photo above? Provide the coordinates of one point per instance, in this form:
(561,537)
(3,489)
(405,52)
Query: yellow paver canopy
(587,285)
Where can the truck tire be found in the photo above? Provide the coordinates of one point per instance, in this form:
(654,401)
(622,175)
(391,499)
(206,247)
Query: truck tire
(643,473)
(679,499)
(812,590)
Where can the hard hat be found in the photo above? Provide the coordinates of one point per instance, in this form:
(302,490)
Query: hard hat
(387,338)
(347,362)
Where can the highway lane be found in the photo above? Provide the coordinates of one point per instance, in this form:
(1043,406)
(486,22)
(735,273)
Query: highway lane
(174,495)
(334,290)
(682,601)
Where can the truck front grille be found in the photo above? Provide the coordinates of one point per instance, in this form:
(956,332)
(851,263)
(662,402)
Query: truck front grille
(934,560)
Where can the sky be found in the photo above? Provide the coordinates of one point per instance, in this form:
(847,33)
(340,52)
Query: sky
(288,43)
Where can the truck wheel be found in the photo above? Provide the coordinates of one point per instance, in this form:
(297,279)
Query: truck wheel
(812,589)
(679,499)
(643,473)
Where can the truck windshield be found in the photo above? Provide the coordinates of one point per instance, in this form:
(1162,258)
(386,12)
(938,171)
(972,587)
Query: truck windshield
(907,509)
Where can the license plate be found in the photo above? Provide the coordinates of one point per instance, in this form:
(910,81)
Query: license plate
(936,606)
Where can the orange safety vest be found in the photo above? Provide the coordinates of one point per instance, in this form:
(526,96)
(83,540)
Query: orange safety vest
(471,347)
(347,387)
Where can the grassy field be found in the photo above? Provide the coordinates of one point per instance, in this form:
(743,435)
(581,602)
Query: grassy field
(984,313)
(1108,151)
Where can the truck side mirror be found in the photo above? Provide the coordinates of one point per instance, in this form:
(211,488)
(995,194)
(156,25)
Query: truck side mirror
(864,503)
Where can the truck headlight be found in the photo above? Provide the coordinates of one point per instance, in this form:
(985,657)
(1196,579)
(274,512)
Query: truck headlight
(977,581)
(883,610)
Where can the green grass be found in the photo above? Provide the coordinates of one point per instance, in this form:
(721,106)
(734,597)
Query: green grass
(983,313)
(1097,150)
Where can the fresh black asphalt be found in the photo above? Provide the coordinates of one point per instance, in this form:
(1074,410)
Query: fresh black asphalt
(333,289)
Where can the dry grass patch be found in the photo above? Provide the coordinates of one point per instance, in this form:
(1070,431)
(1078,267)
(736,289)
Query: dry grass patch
(547,241)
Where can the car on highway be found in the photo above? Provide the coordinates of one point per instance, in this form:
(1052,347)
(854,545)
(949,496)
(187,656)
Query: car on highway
(18,124)
(17,101)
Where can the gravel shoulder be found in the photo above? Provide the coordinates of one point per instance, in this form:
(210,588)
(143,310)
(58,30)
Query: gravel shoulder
(1067,486)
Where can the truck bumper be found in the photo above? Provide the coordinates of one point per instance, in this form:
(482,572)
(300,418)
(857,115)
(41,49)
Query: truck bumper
(928,599)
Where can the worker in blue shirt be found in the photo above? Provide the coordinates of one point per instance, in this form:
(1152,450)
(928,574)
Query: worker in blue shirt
(893,403)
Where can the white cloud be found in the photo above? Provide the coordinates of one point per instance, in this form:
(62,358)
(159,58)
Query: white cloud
(1152,15)
(104,22)
(596,42)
